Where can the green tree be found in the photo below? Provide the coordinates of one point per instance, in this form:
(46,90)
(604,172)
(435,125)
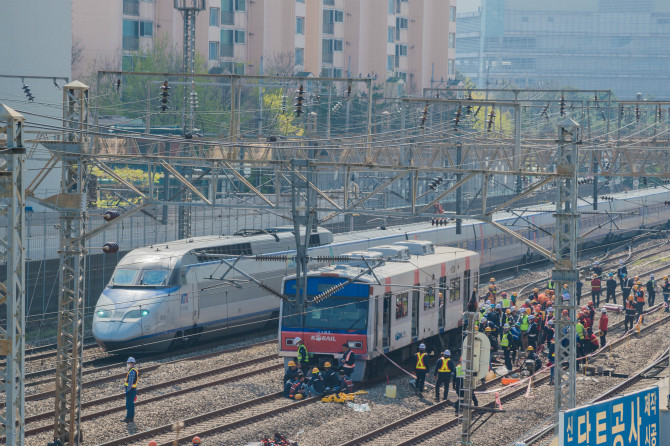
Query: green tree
(281,117)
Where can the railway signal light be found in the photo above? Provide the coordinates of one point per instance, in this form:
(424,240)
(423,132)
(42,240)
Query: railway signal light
(492,119)
(562,105)
(29,95)
(165,88)
(299,101)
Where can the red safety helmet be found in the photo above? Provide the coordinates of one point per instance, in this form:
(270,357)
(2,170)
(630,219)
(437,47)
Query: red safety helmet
(590,304)
(196,440)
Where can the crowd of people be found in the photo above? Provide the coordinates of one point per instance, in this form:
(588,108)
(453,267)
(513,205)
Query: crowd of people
(513,325)
(302,379)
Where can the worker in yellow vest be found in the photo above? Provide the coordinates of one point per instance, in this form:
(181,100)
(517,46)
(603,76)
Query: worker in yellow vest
(443,369)
(130,384)
(420,367)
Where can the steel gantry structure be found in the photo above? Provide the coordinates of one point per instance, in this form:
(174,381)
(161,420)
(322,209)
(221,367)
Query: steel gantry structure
(299,166)
(12,291)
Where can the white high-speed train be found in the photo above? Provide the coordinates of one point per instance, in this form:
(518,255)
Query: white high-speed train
(168,293)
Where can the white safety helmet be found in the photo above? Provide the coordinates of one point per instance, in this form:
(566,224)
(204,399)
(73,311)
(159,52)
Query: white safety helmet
(596,263)
(422,346)
(131,360)
(604,310)
(297,339)
(447,353)
(550,310)
(620,262)
(551,322)
(651,275)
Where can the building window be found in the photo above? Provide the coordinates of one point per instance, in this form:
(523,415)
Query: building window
(327,51)
(213,50)
(391,6)
(337,72)
(328,21)
(329,2)
(131,7)
(452,40)
(339,16)
(127,63)
(131,40)
(397,6)
(337,45)
(227,43)
(451,66)
(452,13)
(391,34)
(240,36)
(390,63)
(214,17)
(401,310)
(239,67)
(227,12)
(300,25)
(401,22)
(300,1)
(146,29)
(401,75)
(240,5)
(400,50)
(299,56)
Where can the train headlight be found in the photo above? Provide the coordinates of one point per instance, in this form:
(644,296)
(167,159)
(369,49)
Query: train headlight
(144,312)
(103,314)
(355,344)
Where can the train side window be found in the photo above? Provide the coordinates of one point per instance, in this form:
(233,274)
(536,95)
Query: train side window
(455,289)
(401,309)
(429,298)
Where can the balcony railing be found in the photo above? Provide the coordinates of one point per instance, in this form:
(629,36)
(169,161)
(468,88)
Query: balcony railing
(131,43)
(131,7)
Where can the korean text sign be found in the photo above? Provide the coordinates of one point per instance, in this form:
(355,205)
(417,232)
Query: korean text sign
(622,421)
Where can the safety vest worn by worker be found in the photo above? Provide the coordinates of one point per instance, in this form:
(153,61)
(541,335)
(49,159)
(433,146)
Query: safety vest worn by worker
(137,377)
(523,326)
(459,371)
(303,355)
(420,365)
(580,331)
(504,342)
(640,296)
(505,303)
(550,285)
(444,368)
(345,359)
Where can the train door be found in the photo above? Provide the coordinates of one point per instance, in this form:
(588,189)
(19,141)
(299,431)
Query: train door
(442,303)
(415,311)
(466,288)
(186,304)
(386,321)
(376,324)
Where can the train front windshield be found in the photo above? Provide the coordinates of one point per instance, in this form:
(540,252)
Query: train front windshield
(346,310)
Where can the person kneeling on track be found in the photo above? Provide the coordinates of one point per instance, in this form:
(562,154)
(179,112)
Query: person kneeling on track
(443,369)
(315,386)
(291,372)
(532,356)
(295,389)
(330,378)
(346,385)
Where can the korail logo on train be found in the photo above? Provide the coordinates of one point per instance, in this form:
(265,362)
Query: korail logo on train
(319,338)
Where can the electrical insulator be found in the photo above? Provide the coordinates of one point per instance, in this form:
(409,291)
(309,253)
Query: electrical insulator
(194,99)
(667,203)
(299,101)
(165,88)
(659,113)
(424,116)
(110,248)
(435,182)
(468,108)
(349,91)
(562,105)
(118,85)
(283,105)
(457,120)
(110,215)
(637,113)
(492,119)
(29,95)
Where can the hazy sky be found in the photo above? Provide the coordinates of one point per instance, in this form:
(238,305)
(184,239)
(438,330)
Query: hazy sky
(468,5)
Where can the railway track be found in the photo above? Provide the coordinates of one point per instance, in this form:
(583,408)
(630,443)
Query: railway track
(225,419)
(650,371)
(403,432)
(165,390)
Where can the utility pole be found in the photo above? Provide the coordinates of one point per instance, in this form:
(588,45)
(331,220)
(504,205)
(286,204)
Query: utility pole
(72,203)
(565,267)
(304,220)
(12,252)
(189,10)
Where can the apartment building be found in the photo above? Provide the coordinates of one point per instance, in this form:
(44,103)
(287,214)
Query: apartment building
(409,40)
